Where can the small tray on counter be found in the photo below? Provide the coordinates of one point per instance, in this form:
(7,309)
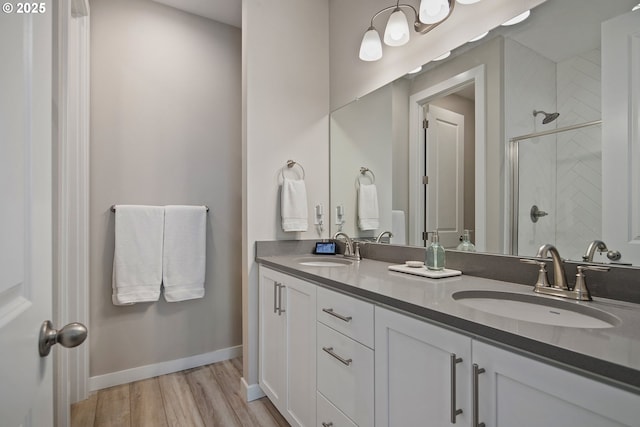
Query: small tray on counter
(424,272)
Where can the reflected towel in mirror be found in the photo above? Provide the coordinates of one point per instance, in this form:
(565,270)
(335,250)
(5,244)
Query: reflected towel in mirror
(368,216)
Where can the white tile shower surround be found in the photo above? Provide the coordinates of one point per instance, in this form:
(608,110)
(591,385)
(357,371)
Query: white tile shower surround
(579,189)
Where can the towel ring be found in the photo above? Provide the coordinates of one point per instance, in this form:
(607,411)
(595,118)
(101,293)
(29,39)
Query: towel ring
(364,170)
(290,164)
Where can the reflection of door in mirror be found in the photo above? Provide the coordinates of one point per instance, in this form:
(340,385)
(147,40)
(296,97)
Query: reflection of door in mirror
(444,167)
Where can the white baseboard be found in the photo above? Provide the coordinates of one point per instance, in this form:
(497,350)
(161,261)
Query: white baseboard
(250,392)
(162,368)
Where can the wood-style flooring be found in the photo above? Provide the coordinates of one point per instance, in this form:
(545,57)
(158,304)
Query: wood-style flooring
(204,396)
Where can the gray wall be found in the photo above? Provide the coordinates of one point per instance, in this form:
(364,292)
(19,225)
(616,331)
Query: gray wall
(165,129)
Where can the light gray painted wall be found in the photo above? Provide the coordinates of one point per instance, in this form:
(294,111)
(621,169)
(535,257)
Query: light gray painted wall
(285,45)
(165,129)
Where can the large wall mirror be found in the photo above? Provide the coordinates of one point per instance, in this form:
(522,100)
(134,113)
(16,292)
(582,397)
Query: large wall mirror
(507,137)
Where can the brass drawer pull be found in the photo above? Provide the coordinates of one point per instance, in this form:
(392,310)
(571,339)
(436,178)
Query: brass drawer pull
(329,350)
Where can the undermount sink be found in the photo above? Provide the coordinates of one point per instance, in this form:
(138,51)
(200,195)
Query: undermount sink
(324,262)
(537,309)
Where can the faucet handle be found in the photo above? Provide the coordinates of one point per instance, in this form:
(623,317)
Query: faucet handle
(580,289)
(543,279)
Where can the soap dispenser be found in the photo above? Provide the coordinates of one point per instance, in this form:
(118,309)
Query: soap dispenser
(466,244)
(434,259)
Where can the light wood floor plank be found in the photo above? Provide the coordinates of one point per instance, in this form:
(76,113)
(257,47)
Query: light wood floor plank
(84,413)
(113,408)
(253,413)
(147,407)
(210,398)
(179,404)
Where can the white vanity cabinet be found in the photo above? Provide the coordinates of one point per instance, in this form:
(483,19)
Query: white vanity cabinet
(415,364)
(515,390)
(287,345)
(414,371)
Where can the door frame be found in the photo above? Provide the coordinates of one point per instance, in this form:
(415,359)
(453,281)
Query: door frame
(475,75)
(71,71)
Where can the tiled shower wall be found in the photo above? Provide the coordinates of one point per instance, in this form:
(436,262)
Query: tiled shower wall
(579,154)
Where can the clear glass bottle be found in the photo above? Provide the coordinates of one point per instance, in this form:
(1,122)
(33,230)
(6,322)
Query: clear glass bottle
(434,259)
(466,244)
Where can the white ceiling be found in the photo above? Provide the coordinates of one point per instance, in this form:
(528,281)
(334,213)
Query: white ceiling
(225,11)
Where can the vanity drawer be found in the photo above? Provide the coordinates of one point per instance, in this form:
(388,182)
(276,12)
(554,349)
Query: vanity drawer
(345,374)
(330,416)
(347,315)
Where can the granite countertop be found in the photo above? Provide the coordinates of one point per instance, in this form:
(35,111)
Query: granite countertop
(609,354)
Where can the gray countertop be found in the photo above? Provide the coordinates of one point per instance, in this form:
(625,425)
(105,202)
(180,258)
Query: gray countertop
(610,354)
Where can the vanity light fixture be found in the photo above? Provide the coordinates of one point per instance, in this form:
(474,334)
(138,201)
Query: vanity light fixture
(431,14)
(415,70)
(517,19)
(467,1)
(636,7)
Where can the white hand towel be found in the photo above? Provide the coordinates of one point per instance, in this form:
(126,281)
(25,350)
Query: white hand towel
(137,258)
(368,218)
(294,205)
(398,228)
(184,258)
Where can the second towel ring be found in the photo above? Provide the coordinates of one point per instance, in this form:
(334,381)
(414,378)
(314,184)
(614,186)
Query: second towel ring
(364,170)
(290,164)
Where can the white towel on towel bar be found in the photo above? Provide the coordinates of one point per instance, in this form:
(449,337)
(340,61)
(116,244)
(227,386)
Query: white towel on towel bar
(184,258)
(368,217)
(137,258)
(293,207)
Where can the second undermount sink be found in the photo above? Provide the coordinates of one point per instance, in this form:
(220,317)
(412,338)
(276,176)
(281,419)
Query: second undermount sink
(324,262)
(537,309)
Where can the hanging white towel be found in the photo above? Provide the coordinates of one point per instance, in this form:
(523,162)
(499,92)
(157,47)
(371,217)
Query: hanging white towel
(294,205)
(368,218)
(398,228)
(184,258)
(137,258)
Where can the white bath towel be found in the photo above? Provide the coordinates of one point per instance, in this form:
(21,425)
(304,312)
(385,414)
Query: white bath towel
(293,208)
(137,258)
(184,258)
(368,217)
(398,228)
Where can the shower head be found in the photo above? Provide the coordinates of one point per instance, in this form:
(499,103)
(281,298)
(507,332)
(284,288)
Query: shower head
(548,117)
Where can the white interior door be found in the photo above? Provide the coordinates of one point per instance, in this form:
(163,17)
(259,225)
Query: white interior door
(621,135)
(444,208)
(26,393)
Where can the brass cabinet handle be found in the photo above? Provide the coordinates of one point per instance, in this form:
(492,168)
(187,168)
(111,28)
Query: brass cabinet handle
(474,379)
(454,411)
(329,350)
(339,316)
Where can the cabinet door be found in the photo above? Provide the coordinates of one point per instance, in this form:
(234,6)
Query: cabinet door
(272,361)
(517,391)
(413,373)
(299,306)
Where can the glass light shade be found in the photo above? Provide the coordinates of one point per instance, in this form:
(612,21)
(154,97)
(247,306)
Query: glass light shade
(371,46)
(467,1)
(433,11)
(397,31)
(636,7)
(517,19)
(415,70)
(481,36)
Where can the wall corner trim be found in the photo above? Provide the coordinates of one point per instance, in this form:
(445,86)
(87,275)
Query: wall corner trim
(149,371)
(250,392)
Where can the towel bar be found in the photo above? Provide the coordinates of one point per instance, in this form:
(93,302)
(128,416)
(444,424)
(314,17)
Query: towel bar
(113,208)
